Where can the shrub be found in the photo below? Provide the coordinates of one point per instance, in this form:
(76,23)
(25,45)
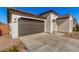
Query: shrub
(77,27)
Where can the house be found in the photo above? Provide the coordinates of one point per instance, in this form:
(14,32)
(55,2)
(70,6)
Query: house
(24,23)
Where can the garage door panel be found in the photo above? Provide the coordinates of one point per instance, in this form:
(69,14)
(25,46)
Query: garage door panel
(30,27)
(30,31)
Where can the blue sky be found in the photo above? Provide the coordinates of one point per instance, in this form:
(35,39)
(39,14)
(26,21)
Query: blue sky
(37,10)
(3,15)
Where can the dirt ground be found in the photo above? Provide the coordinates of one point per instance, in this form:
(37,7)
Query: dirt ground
(9,45)
(73,35)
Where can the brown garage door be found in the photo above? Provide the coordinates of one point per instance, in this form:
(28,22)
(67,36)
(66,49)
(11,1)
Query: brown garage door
(30,26)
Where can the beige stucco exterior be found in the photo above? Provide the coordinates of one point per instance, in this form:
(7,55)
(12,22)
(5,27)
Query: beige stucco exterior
(62,25)
(51,26)
(52,22)
(54,25)
(48,22)
(65,24)
(71,24)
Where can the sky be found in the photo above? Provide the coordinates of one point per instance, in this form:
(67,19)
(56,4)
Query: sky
(37,10)
(3,15)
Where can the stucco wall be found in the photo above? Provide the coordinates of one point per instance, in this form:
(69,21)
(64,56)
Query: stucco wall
(14,26)
(62,25)
(48,22)
(50,25)
(71,25)
(54,25)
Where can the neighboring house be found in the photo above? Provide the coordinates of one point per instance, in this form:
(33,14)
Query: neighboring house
(24,23)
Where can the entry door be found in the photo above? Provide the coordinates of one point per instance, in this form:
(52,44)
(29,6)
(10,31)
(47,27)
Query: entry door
(30,26)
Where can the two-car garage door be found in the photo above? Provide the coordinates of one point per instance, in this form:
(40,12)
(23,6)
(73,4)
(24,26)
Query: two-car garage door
(30,26)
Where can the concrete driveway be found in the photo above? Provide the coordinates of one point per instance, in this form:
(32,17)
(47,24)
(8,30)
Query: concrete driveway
(45,42)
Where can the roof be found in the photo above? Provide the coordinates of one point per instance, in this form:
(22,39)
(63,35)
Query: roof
(12,10)
(64,17)
(49,11)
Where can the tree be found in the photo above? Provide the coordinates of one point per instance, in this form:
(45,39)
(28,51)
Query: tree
(0,22)
(77,27)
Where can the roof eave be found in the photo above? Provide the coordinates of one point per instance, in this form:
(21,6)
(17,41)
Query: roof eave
(12,10)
